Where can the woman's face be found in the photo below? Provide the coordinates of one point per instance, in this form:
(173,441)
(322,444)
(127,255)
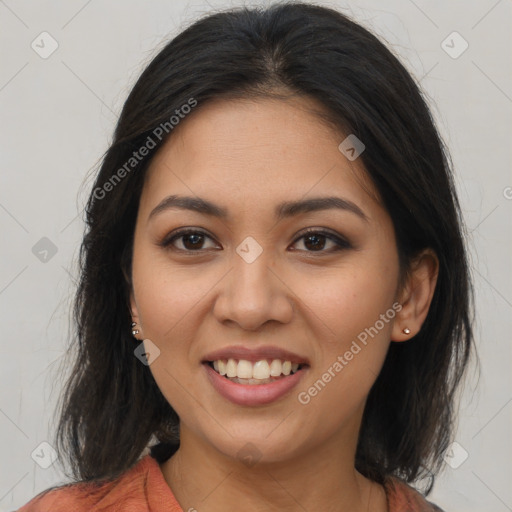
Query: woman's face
(253,279)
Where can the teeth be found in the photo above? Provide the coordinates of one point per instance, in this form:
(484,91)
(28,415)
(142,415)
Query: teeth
(231,368)
(260,370)
(275,368)
(244,369)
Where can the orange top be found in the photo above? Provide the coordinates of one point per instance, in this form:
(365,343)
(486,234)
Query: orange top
(143,488)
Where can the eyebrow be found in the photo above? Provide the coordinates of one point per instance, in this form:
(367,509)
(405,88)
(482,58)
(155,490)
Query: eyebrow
(282,210)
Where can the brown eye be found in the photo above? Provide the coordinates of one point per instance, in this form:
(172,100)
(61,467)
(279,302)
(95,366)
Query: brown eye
(191,240)
(315,241)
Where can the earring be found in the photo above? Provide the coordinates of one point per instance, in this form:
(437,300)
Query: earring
(134,331)
(407,331)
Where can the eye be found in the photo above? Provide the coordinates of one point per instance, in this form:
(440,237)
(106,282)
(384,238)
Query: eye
(192,240)
(315,239)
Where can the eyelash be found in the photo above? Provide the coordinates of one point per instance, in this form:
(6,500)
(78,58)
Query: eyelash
(341,244)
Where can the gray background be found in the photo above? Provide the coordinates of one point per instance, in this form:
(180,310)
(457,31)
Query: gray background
(58,114)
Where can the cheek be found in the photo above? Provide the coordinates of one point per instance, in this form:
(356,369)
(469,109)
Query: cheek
(171,302)
(168,304)
(353,318)
(346,301)
(167,295)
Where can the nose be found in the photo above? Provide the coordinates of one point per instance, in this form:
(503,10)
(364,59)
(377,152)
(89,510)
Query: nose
(254,293)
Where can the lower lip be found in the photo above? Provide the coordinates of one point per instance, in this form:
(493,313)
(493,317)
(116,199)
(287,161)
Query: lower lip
(255,394)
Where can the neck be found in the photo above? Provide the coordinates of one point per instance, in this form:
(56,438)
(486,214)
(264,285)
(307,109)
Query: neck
(323,478)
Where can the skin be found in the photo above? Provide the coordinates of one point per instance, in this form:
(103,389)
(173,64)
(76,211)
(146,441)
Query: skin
(247,156)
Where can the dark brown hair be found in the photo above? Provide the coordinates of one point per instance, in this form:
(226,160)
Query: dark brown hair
(112,408)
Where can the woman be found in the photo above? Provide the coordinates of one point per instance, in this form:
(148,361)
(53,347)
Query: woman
(274,296)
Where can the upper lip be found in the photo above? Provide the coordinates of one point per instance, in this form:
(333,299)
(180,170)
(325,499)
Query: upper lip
(255,354)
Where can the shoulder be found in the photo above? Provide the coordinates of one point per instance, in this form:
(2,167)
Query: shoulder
(129,493)
(404,498)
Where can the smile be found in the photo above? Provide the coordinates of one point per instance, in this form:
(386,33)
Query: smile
(258,372)
(258,383)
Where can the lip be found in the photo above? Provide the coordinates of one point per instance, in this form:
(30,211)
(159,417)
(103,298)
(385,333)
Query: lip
(255,354)
(251,395)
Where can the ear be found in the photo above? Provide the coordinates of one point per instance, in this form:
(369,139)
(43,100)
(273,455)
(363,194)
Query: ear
(416,296)
(135,313)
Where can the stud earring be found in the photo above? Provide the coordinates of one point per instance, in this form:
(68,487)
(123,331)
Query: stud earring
(134,331)
(407,331)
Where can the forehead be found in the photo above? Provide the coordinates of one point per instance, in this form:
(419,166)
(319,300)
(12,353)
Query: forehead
(265,149)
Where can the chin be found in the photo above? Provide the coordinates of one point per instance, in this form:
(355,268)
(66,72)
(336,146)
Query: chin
(257,446)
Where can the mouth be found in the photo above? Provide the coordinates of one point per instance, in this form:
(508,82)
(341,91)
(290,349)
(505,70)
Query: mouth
(254,376)
(253,373)
(256,383)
